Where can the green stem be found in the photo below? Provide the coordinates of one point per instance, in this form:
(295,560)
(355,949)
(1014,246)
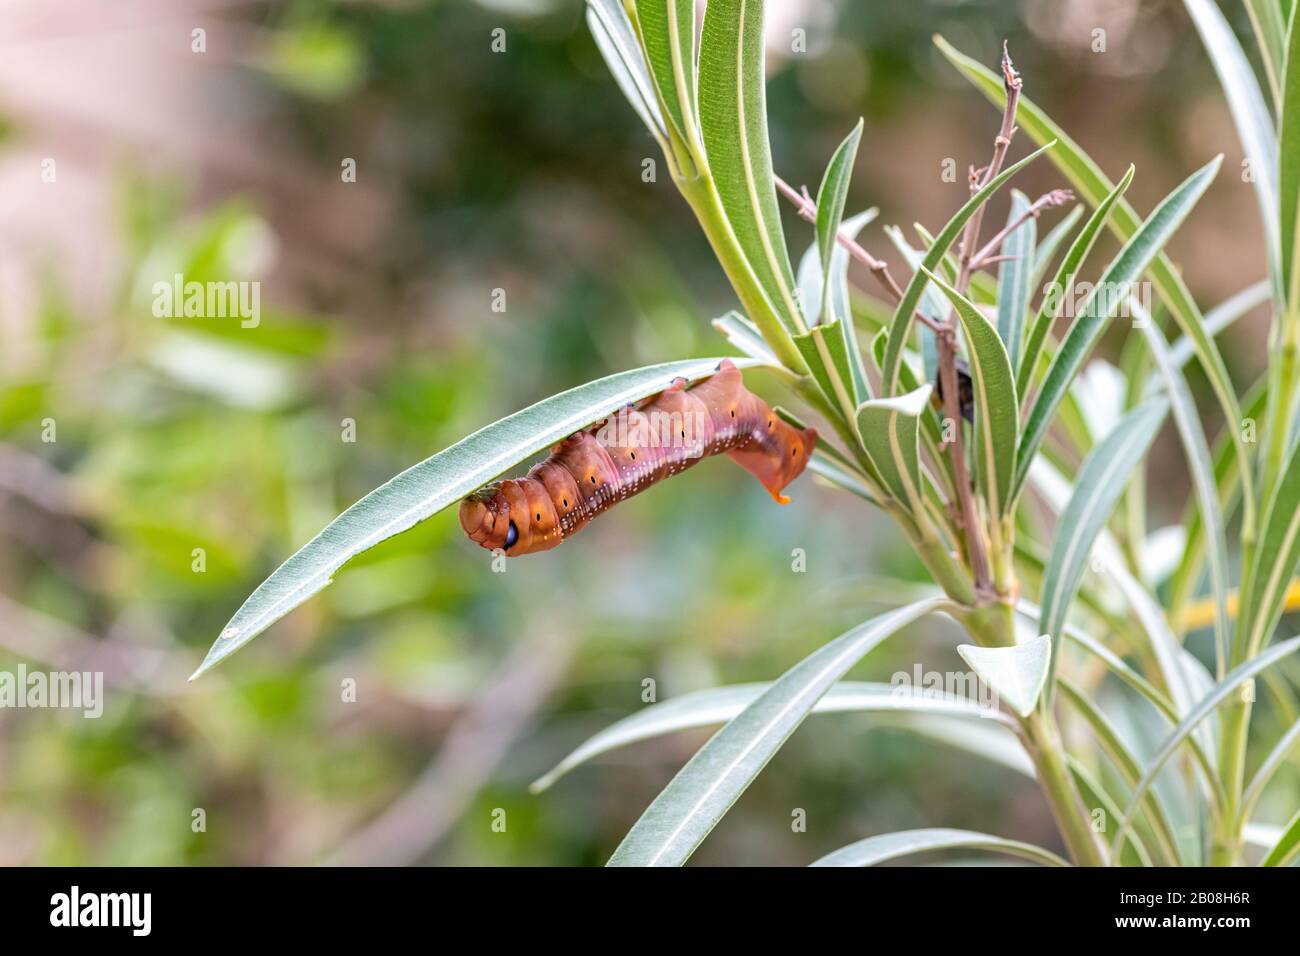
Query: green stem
(993,625)
(1235,724)
(944,568)
(1071,813)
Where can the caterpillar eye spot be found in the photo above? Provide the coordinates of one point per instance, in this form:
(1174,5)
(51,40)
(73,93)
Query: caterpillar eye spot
(512,535)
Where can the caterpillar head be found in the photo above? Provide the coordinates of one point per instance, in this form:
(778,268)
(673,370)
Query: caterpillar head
(515,516)
(486,522)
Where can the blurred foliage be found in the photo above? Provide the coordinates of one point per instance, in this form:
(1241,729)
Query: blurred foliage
(518,171)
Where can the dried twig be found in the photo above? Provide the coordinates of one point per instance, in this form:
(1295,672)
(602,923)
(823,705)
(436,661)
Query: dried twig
(1012,83)
(947,338)
(986,256)
(807,209)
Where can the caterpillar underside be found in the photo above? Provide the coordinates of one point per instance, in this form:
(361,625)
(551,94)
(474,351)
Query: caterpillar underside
(591,471)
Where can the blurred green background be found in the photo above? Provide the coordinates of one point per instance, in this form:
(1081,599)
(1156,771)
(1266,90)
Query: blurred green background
(476,171)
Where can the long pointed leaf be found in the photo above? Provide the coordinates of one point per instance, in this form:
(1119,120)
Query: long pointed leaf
(721,704)
(1111,292)
(1229,685)
(888,846)
(997,412)
(733,122)
(1201,466)
(1062,284)
(668,32)
(1287,846)
(1014,275)
(1126,763)
(1281,750)
(425,489)
(831,195)
(1289,172)
(704,790)
(1101,481)
(1275,561)
(1269,24)
(1252,117)
(618,46)
(889,428)
(1046,250)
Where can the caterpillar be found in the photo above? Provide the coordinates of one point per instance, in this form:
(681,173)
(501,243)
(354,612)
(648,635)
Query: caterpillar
(593,470)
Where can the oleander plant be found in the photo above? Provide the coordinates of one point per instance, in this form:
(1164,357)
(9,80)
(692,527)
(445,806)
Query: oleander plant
(957,395)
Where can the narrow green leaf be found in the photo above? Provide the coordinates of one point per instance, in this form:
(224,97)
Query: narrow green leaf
(889,428)
(834,259)
(722,704)
(1187,575)
(1058,293)
(1111,292)
(1289,173)
(838,474)
(1014,275)
(1100,483)
(617,42)
(1095,796)
(932,303)
(1287,846)
(1201,467)
(931,429)
(1016,673)
(1269,25)
(1232,684)
(1275,561)
(437,482)
(733,122)
(704,790)
(809,277)
(1267,767)
(831,196)
(1127,764)
(1046,250)
(1137,682)
(1251,115)
(744,335)
(668,33)
(1220,318)
(889,846)
(823,349)
(900,327)
(997,412)
(1123,671)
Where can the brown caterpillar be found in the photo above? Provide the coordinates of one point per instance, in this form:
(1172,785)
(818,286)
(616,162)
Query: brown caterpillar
(591,471)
